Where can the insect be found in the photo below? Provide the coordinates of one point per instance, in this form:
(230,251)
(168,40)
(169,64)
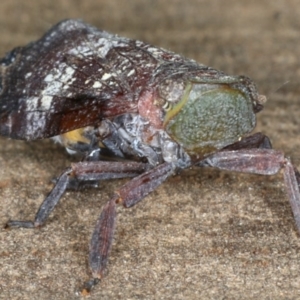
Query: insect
(153,112)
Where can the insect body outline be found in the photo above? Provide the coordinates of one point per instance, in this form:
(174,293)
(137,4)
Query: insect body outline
(155,111)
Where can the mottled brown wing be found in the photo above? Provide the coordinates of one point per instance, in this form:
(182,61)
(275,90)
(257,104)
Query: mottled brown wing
(65,80)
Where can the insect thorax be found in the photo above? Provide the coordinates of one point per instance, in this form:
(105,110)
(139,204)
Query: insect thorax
(128,136)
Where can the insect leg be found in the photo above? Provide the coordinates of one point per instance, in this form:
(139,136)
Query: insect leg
(265,162)
(128,195)
(292,183)
(48,204)
(83,171)
(254,141)
(257,140)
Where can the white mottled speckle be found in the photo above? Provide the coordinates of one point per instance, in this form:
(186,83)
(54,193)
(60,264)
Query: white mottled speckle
(49,78)
(58,79)
(100,46)
(28,75)
(97,84)
(103,45)
(46,102)
(153,50)
(32,103)
(36,103)
(35,122)
(81,50)
(139,43)
(106,76)
(131,73)
(67,74)
(149,65)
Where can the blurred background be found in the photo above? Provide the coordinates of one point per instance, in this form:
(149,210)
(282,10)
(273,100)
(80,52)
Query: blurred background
(204,234)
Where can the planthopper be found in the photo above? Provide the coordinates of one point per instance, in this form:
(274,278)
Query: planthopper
(131,110)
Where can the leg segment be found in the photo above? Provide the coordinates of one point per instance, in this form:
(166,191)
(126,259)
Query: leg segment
(48,204)
(292,184)
(257,161)
(256,140)
(82,171)
(129,194)
(261,161)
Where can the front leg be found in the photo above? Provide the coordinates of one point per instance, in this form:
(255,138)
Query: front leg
(128,195)
(82,172)
(264,162)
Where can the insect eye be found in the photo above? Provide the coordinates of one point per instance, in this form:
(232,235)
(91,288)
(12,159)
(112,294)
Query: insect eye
(167,106)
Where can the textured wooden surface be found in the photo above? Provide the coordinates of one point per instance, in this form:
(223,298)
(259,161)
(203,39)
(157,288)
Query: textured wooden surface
(202,235)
